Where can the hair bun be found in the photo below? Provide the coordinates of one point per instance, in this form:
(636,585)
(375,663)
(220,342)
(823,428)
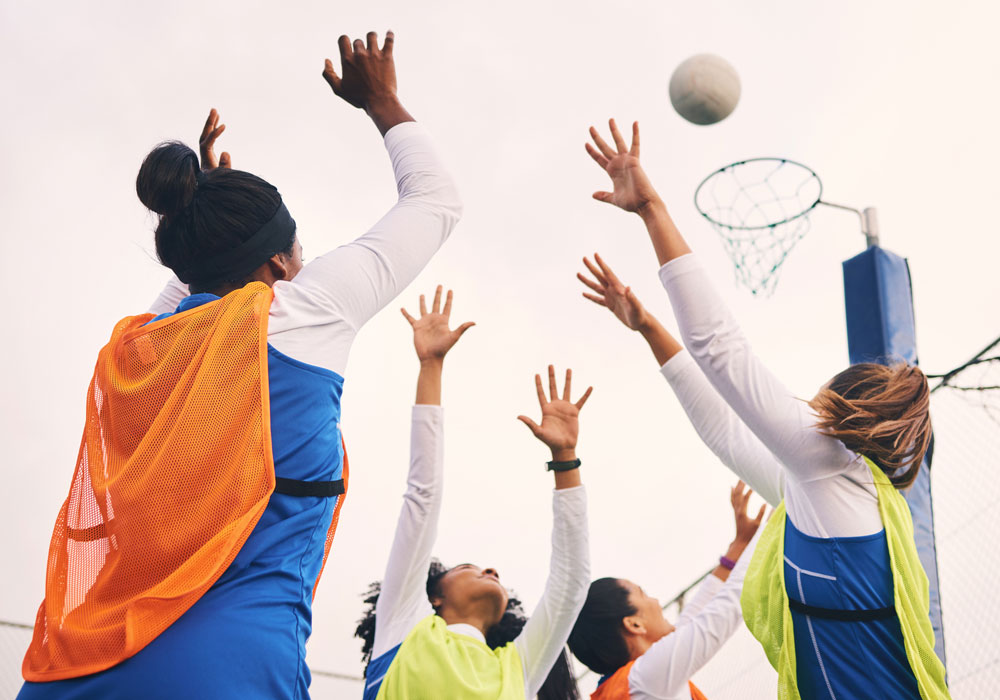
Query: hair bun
(168,178)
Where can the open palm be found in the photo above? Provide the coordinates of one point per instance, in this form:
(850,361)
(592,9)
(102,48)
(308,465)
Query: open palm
(613,295)
(560,426)
(632,190)
(432,338)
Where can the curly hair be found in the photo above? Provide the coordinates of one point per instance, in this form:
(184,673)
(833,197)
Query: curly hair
(559,685)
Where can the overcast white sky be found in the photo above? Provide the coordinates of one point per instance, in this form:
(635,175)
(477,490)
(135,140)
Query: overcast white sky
(892,103)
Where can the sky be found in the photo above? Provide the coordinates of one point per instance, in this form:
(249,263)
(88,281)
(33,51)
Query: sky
(893,104)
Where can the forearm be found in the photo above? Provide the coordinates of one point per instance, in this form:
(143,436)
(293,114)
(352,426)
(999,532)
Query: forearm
(733,552)
(663,345)
(722,431)
(546,631)
(387,112)
(429,382)
(663,233)
(571,477)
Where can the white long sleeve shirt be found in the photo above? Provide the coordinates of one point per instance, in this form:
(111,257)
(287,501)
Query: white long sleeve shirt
(703,627)
(828,489)
(403,601)
(315,316)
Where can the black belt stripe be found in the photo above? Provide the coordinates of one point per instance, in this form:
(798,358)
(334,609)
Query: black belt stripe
(322,489)
(842,615)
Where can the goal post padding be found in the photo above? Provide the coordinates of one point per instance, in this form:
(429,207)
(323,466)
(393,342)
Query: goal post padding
(878,300)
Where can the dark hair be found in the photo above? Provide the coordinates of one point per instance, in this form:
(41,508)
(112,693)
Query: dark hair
(202,213)
(881,412)
(559,685)
(597,638)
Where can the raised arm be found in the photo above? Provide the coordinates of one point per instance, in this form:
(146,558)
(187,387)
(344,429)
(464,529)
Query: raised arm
(781,421)
(358,279)
(667,666)
(403,598)
(715,422)
(746,528)
(546,631)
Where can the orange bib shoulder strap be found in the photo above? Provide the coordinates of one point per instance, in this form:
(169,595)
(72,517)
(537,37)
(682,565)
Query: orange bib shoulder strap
(616,686)
(696,694)
(175,468)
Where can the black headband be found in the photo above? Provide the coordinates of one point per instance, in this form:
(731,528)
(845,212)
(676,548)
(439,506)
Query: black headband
(234,264)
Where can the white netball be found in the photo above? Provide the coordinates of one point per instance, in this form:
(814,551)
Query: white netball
(705,89)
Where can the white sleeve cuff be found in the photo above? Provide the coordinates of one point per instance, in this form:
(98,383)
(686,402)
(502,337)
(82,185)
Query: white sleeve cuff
(401,132)
(678,365)
(678,266)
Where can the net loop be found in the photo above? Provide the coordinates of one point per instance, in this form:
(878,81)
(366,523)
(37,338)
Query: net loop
(760,207)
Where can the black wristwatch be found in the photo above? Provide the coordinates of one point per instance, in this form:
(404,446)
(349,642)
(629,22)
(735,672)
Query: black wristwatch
(562,466)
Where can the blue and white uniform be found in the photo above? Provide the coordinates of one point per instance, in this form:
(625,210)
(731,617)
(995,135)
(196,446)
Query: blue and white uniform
(836,554)
(245,638)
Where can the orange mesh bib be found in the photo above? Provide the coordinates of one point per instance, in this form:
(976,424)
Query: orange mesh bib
(174,471)
(616,687)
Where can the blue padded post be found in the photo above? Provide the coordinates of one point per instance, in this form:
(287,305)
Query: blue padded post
(880,328)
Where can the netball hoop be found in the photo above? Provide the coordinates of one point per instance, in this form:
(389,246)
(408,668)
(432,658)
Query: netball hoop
(761,208)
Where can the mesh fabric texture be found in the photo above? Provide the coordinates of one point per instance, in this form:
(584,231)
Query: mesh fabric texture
(175,469)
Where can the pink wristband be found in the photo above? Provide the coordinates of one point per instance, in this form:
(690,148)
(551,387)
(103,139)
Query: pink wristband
(726,563)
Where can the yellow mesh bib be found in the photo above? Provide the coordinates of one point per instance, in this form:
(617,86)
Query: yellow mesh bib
(765,604)
(434,663)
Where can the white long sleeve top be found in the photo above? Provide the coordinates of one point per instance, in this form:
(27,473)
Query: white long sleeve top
(703,627)
(315,316)
(743,412)
(403,601)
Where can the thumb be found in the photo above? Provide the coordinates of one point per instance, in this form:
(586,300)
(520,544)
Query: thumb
(331,77)
(760,515)
(603,196)
(225,161)
(532,425)
(464,327)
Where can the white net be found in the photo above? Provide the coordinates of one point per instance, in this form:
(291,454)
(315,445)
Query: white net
(760,208)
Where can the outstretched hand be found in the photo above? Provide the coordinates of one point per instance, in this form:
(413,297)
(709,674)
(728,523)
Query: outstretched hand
(560,424)
(206,144)
(746,527)
(632,189)
(432,338)
(368,71)
(613,295)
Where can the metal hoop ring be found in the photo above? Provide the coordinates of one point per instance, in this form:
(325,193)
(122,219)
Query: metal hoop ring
(732,166)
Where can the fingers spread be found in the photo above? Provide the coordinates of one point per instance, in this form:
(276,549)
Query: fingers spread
(583,399)
(344,43)
(606,269)
(595,272)
(617,136)
(407,316)
(601,144)
(598,158)
(590,283)
(213,118)
(540,391)
(464,327)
